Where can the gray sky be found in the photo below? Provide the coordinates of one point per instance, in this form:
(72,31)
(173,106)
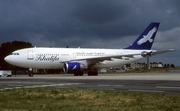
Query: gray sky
(91,23)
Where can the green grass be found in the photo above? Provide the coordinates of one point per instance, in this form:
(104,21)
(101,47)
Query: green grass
(48,99)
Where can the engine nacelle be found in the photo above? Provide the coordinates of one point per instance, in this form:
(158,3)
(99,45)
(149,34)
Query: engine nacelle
(70,67)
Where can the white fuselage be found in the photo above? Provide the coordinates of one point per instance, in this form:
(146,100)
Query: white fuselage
(54,58)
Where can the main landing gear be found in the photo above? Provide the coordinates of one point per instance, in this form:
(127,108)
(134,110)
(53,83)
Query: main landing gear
(92,73)
(89,73)
(78,73)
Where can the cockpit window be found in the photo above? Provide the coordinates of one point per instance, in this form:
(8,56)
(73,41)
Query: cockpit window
(14,53)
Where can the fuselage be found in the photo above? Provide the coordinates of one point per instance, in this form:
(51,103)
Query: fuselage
(54,58)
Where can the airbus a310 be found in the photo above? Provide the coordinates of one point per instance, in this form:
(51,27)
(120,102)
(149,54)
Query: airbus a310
(86,60)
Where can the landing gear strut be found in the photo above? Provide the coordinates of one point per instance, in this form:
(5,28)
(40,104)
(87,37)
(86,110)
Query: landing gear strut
(92,73)
(30,72)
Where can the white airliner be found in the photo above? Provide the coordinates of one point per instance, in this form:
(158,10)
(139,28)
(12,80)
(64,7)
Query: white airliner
(81,60)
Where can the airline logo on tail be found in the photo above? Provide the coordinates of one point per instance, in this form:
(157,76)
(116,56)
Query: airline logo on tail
(147,37)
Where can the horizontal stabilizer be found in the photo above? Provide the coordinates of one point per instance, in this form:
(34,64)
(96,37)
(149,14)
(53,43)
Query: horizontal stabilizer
(155,52)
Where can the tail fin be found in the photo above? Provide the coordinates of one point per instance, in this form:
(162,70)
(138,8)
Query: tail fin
(146,39)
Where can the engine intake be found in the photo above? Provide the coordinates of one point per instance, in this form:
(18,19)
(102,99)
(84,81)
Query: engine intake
(70,67)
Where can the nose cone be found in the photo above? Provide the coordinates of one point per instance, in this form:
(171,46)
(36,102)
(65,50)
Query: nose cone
(14,60)
(11,60)
(7,59)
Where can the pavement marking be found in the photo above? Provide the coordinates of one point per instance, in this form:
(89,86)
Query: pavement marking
(10,85)
(108,85)
(17,87)
(27,87)
(38,86)
(167,87)
(136,90)
(7,88)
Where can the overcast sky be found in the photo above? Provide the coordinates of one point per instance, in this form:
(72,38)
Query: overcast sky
(91,23)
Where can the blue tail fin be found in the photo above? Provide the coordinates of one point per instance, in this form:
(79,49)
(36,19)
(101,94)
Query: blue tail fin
(146,39)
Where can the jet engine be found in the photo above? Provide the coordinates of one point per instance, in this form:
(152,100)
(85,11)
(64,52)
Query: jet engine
(70,67)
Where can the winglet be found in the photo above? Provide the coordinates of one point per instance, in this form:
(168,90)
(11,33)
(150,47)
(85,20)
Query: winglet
(146,39)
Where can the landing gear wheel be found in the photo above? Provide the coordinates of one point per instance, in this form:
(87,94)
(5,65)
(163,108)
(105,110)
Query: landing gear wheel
(81,73)
(92,73)
(78,73)
(75,74)
(95,73)
(31,74)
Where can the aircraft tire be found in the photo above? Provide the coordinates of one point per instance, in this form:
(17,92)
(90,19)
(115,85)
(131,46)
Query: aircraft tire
(75,74)
(81,73)
(95,73)
(89,73)
(31,74)
(92,73)
(78,73)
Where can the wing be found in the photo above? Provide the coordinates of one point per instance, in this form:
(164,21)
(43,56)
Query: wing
(92,60)
(155,52)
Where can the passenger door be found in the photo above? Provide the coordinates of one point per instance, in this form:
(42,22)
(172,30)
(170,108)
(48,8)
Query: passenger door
(30,55)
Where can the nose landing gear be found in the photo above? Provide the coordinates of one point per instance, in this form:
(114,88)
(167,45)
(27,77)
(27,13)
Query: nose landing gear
(30,72)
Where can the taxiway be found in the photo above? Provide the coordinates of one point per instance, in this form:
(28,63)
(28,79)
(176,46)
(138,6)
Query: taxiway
(139,82)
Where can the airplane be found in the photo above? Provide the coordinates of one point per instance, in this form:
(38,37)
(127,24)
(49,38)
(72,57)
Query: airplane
(86,60)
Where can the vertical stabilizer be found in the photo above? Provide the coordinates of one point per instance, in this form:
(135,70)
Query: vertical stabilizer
(146,39)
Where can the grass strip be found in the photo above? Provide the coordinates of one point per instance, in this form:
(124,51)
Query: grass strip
(50,99)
